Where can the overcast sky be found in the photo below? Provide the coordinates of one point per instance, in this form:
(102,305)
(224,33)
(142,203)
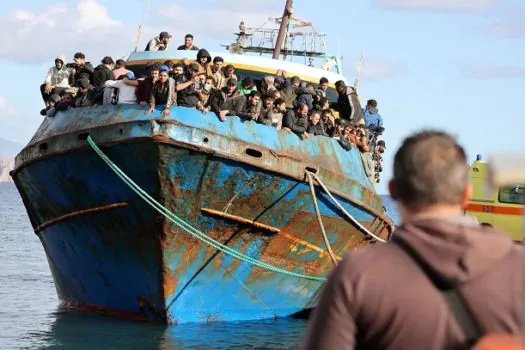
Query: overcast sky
(457,65)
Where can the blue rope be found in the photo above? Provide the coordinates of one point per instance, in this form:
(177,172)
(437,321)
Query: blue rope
(187,227)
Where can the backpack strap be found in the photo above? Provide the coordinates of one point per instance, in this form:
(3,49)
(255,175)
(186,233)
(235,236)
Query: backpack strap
(454,299)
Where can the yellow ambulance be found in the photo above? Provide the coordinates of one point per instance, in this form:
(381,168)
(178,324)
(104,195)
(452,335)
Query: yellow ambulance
(501,208)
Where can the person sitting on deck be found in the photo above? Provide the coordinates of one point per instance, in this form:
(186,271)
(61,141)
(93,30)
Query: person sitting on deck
(144,86)
(80,69)
(178,72)
(204,95)
(296,121)
(289,92)
(278,112)
(305,95)
(123,91)
(247,86)
(328,120)
(57,80)
(159,43)
(86,94)
(103,72)
(348,104)
(371,115)
(188,44)
(203,60)
(50,110)
(315,125)
(217,73)
(250,108)
(268,84)
(218,99)
(266,114)
(229,72)
(321,89)
(120,69)
(188,87)
(163,92)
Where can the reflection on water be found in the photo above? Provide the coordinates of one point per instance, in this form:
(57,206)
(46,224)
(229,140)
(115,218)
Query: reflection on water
(79,330)
(29,318)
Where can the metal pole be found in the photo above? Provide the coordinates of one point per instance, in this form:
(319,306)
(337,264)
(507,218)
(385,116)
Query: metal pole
(282,29)
(139,32)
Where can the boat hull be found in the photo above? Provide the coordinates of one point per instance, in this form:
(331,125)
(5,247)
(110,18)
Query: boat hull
(110,251)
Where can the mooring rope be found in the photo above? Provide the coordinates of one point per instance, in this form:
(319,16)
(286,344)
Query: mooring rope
(187,227)
(350,217)
(319,219)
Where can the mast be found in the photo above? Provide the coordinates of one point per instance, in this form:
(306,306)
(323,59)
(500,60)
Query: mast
(282,29)
(139,31)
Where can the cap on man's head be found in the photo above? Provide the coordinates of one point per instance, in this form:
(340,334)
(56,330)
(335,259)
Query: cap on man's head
(381,143)
(164,68)
(232,81)
(83,83)
(163,35)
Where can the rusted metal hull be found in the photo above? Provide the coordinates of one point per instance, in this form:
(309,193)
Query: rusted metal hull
(109,251)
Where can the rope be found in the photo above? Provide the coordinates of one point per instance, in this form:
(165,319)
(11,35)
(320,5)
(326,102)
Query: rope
(357,223)
(187,227)
(318,213)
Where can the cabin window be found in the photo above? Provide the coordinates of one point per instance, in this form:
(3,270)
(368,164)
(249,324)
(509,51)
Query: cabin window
(512,194)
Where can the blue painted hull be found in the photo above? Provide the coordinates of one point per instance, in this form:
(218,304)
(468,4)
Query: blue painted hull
(109,251)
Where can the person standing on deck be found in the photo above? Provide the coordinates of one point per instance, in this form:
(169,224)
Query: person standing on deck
(348,104)
(381,298)
(159,43)
(188,44)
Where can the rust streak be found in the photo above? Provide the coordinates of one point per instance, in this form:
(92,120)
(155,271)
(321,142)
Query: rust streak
(266,227)
(80,213)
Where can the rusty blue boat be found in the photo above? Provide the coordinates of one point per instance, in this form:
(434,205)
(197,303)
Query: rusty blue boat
(243,185)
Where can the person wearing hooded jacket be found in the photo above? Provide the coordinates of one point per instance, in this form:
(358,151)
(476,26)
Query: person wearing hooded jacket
(389,296)
(203,60)
(57,79)
(348,104)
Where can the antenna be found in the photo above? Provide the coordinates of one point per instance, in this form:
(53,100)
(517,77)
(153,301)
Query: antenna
(139,31)
(359,67)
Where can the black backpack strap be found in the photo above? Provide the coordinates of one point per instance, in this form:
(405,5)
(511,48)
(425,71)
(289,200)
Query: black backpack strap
(454,299)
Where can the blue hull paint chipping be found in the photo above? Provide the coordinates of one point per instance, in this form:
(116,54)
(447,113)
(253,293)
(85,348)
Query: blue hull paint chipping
(130,261)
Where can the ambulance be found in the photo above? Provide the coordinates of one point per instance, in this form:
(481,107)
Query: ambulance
(500,207)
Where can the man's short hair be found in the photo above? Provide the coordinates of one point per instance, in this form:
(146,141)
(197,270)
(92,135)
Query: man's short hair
(188,36)
(169,63)
(327,111)
(296,80)
(229,66)
(255,93)
(120,63)
(340,83)
(278,101)
(430,168)
(371,103)
(107,60)
(218,59)
(323,80)
(268,95)
(154,67)
(79,55)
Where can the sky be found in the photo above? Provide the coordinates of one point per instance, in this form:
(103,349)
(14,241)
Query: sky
(452,65)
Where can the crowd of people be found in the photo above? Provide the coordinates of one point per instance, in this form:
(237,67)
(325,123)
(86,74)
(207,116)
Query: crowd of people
(207,84)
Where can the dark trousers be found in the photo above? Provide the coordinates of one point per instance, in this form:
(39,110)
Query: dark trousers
(56,90)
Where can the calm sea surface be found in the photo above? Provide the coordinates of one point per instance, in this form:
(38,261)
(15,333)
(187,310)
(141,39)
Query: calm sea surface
(30,317)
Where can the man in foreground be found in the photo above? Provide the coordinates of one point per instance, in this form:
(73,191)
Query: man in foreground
(381,298)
